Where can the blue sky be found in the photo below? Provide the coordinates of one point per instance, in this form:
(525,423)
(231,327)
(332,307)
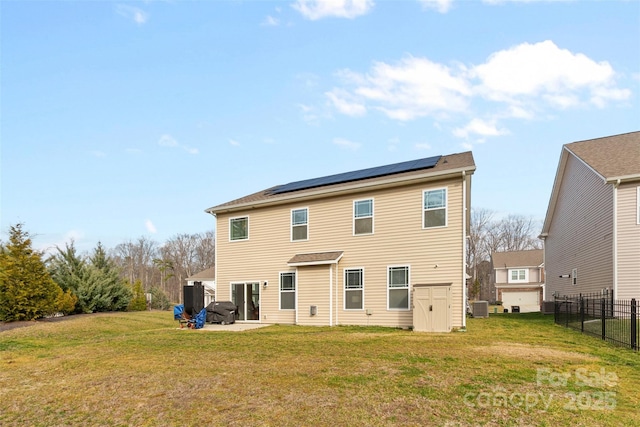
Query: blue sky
(129,119)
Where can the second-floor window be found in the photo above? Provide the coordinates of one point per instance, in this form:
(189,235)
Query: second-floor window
(299,224)
(239,228)
(363,217)
(518,275)
(435,208)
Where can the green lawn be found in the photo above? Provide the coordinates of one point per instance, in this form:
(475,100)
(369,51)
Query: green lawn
(139,369)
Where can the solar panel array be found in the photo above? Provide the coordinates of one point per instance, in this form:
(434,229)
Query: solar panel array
(411,165)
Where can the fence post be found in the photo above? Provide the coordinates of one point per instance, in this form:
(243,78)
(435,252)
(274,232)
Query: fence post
(581,314)
(634,325)
(567,312)
(603,308)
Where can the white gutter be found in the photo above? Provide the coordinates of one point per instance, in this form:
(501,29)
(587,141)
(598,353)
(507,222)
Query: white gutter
(356,186)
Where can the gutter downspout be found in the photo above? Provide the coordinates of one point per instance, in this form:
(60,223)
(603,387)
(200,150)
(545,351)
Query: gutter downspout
(331,293)
(615,238)
(464,250)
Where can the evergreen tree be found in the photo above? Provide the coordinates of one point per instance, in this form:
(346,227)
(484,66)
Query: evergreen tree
(95,282)
(139,301)
(27,291)
(159,299)
(111,293)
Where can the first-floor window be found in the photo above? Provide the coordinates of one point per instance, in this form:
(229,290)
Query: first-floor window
(574,276)
(398,288)
(288,291)
(353,289)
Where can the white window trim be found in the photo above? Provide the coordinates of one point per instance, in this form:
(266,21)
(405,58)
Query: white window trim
(238,217)
(295,290)
(344,289)
(372,216)
(526,275)
(291,224)
(446,207)
(408,288)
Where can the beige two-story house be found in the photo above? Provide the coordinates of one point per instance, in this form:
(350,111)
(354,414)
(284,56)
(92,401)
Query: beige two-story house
(592,229)
(519,279)
(379,246)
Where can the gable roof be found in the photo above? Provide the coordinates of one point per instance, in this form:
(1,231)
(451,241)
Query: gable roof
(208,274)
(529,258)
(613,158)
(429,168)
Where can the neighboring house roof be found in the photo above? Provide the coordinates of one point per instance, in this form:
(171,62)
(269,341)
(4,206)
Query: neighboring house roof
(614,158)
(208,274)
(356,181)
(530,258)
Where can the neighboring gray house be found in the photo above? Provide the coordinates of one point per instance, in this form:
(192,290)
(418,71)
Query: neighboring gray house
(591,232)
(208,279)
(519,279)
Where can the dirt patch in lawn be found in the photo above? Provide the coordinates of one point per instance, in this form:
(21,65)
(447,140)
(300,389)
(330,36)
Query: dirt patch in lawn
(7,326)
(530,352)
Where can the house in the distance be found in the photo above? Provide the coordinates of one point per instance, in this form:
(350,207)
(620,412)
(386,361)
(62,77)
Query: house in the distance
(208,279)
(592,229)
(379,246)
(519,279)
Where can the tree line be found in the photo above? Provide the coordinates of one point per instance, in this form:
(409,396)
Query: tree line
(33,285)
(488,234)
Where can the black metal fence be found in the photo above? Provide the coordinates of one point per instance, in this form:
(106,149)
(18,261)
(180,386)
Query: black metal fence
(600,315)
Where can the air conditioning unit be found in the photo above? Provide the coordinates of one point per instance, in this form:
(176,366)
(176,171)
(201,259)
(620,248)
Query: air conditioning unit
(480,309)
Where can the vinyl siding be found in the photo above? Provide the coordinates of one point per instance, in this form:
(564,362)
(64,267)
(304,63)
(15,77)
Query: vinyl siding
(399,239)
(581,233)
(628,241)
(313,289)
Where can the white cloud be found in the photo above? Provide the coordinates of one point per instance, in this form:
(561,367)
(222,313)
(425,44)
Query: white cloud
(422,146)
(544,71)
(309,114)
(339,101)
(346,144)
(479,127)
(318,9)
(270,21)
(441,6)
(412,88)
(150,227)
(522,82)
(169,141)
(135,14)
(234,142)
(98,153)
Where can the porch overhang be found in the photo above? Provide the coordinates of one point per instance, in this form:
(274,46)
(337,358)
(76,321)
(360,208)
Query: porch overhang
(316,258)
